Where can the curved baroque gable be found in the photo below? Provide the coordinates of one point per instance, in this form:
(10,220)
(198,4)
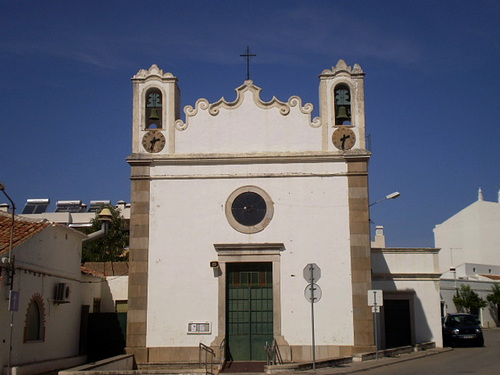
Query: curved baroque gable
(214,108)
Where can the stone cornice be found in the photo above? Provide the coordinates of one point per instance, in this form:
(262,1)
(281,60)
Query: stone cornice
(264,158)
(406,250)
(405,276)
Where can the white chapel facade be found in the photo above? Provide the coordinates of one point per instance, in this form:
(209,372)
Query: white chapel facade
(230,202)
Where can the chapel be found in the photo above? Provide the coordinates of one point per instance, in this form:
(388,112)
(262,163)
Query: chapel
(231,204)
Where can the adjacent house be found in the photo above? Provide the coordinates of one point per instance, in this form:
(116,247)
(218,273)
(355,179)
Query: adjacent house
(409,281)
(470,254)
(41,294)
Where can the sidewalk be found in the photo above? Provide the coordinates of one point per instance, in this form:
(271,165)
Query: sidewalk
(355,367)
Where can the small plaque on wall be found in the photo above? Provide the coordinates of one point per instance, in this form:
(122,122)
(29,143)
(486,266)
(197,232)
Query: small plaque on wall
(199,328)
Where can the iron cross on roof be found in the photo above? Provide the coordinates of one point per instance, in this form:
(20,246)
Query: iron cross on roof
(248,55)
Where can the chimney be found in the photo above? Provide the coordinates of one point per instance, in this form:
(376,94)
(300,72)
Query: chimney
(121,205)
(379,240)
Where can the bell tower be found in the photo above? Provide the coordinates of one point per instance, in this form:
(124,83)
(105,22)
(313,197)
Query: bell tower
(342,110)
(156,107)
(342,107)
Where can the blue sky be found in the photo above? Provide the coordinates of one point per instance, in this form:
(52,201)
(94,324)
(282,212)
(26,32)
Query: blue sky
(431,89)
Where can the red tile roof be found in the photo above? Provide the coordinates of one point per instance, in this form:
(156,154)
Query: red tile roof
(23,229)
(492,277)
(105,268)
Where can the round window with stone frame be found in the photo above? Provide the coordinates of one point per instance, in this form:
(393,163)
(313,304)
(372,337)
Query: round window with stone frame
(249,209)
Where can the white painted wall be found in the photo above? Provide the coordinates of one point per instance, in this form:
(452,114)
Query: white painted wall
(476,276)
(220,147)
(411,269)
(248,129)
(470,236)
(188,218)
(54,254)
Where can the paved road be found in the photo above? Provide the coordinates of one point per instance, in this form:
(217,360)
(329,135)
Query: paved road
(466,360)
(447,361)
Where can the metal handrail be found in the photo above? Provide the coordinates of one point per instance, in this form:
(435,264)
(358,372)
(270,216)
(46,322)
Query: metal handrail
(207,350)
(273,353)
(222,353)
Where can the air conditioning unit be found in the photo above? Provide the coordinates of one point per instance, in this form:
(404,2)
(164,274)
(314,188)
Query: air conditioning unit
(61,293)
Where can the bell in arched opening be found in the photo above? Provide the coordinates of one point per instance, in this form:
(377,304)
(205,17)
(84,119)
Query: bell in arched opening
(342,105)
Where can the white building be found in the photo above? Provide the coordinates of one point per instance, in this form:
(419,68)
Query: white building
(470,236)
(228,207)
(470,254)
(111,295)
(480,278)
(409,280)
(46,296)
(73,213)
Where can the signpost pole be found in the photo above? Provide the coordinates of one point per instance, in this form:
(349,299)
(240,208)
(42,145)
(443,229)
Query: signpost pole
(312,293)
(311,267)
(375,322)
(375,300)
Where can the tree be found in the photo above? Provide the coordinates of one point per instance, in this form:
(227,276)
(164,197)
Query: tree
(467,299)
(111,246)
(494,299)
(494,296)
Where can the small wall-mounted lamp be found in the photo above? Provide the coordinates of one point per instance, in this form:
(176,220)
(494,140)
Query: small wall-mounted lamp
(216,267)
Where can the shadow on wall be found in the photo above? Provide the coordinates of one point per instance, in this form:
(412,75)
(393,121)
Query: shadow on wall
(494,312)
(403,319)
(106,337)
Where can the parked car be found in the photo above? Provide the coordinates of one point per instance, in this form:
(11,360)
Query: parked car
(462,329)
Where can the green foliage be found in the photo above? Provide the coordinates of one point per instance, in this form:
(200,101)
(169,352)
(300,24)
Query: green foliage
(468,300)
(494,296)
(111,246)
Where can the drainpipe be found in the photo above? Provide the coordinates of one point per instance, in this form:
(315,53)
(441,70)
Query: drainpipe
(105,218)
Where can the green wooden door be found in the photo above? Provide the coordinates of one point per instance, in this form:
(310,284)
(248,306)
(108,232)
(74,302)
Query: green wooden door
(249,310)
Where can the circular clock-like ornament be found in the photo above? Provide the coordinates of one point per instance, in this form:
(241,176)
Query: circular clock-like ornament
(343,138)
(249,209)
(153,141)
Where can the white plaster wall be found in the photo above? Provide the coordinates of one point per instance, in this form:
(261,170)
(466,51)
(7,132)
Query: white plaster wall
(188,218)
(405,261)
(116,289)
(92,288)
(55,253)
(248,129)
(427,308)
(470,236)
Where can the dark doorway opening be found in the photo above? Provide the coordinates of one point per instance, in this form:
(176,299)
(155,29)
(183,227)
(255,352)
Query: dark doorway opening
(397,320)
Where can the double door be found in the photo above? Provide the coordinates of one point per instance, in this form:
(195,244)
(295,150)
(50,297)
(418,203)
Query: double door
(249,314)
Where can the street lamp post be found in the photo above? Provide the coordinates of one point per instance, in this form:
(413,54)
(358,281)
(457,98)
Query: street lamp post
(376,308)
(394,195)
(10,270)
